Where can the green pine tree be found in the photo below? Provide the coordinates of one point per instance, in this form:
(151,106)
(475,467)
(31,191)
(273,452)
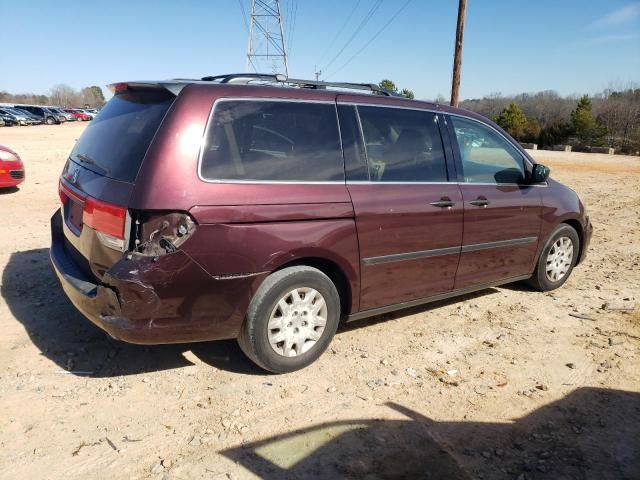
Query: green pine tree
(388,85)
(513,120)
(585,126)
(405,92)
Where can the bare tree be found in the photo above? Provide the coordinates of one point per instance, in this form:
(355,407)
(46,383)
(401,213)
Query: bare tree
(64,96)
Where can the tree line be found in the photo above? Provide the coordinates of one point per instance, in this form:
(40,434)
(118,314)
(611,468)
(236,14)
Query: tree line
(60,95)
(610,118)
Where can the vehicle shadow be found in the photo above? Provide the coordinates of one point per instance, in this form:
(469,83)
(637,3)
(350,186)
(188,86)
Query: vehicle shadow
(589,434)
(8,190)
(36,299)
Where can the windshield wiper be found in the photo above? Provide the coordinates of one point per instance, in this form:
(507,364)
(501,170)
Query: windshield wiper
(90,161)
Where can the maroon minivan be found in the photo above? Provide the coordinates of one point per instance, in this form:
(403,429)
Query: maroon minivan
(269,209)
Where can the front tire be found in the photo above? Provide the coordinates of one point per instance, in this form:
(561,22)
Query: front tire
(557,259)
(50,121)
(291,319)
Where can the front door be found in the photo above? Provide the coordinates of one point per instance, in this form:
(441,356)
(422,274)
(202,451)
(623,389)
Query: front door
(408,213)
(502,214)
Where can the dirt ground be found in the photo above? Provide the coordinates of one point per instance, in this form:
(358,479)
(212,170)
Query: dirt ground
(507,383)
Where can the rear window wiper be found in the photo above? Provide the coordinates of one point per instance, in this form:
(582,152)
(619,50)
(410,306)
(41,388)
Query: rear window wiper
(90,161)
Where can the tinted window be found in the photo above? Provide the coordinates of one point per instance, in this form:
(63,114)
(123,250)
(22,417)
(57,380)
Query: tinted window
(116,141)
(354,157)
(272,140)
(486,156)
(402,145)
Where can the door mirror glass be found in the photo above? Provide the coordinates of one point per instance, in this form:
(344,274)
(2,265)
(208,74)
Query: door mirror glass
(540,173)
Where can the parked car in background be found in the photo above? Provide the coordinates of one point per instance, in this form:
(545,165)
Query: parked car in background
(79,114)
(35,120)
(9,120)
(43,113)
(21,117)
(11,168)
(68,117)
(91,112)
(270,213)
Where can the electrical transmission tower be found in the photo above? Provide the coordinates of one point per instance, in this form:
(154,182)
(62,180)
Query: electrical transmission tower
(266,51)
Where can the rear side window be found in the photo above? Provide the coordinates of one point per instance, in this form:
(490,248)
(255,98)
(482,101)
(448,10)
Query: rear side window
(116,141)
(402,145)
(272,140)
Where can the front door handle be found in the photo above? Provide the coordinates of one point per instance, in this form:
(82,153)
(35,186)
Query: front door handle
(444,202)
(480,202)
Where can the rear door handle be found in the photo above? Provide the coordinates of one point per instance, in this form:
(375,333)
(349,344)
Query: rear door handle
(480,202)
(444,202)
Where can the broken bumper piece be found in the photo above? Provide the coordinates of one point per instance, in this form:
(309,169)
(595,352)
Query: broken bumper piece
(152,300)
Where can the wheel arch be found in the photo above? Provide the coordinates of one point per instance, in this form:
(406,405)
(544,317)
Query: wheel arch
(335,273)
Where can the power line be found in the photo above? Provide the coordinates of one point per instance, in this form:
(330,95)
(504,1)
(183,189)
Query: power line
(244,16)
(337,35)
(292,31)
(372,39)
(362,24)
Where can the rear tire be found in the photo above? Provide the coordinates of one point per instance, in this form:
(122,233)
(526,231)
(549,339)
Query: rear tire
(557,259)
(291,319)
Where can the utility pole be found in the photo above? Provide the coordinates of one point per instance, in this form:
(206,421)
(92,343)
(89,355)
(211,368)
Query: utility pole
(318,73)
(457,58)
(266,52)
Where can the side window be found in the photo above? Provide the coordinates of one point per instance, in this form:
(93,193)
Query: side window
(402,145)
(272,140)
(355,159)
(486,156)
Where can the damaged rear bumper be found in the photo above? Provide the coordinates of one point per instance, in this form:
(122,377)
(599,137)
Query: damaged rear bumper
(152,300)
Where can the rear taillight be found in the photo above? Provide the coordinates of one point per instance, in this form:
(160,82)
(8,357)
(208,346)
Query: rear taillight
(61,193)
(109,221)
(104,217)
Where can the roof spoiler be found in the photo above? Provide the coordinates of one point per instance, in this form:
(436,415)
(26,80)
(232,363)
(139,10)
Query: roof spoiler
(173,86)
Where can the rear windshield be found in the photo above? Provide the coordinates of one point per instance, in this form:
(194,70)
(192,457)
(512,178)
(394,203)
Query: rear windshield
(273,140)
(115,142)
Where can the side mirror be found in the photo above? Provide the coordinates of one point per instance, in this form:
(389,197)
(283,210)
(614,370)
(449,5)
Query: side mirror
(540,173)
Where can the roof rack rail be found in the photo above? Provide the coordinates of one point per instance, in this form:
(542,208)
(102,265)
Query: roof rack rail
(249,77)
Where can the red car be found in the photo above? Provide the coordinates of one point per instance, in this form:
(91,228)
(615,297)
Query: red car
(11,168)
(79,114)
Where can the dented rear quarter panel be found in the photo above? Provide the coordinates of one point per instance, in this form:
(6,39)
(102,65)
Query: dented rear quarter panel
(172,299)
